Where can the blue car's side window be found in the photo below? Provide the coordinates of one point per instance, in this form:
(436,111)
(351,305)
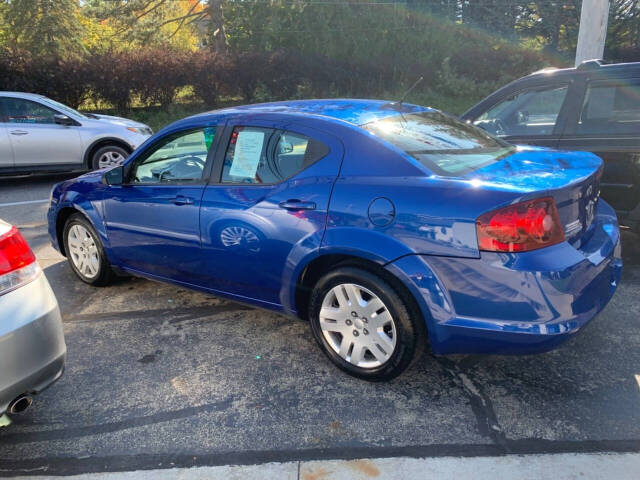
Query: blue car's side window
(180,157)
(267,156)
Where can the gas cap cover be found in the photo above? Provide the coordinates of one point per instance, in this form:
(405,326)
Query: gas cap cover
(381,211)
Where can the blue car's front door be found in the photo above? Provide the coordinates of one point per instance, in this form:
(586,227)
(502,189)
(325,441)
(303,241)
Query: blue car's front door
(266,206)
(152,220)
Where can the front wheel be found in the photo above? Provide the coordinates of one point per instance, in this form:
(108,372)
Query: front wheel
(108,156)
(364,325)
(85,252)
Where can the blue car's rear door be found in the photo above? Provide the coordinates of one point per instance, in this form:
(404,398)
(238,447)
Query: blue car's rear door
(266,206)
(153,219)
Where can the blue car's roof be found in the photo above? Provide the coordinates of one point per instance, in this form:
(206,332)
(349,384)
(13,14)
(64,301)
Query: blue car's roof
(354,111)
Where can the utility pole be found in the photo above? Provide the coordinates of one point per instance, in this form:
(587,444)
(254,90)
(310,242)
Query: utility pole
(593,30)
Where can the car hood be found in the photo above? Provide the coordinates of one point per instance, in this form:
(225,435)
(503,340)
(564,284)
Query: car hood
(125,122)
(532,169)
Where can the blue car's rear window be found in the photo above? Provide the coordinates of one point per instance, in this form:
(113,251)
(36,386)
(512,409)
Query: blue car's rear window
(443,144)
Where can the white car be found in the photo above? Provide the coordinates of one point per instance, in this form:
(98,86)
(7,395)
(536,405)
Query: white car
(38,134)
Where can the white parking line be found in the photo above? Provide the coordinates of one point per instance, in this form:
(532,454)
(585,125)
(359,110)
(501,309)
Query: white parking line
(26,202)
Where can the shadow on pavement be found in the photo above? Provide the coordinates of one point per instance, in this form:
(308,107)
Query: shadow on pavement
(35,179)
(630,247)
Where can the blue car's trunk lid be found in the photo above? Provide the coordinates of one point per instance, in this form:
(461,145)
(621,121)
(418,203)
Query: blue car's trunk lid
(571,178)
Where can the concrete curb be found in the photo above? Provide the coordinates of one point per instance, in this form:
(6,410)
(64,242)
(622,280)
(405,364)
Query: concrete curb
(566,466)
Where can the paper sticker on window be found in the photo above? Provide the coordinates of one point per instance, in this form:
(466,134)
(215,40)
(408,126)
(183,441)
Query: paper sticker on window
(246,155)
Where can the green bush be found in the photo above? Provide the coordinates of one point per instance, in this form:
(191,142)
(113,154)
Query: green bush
(62,79)
(622,54)
(211,76)
(158,73)
(110,76)
(367,52)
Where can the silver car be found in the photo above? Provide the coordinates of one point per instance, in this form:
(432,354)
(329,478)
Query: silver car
(38,134)
(32,347)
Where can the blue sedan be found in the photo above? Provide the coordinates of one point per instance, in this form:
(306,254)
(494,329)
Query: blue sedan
(383,224)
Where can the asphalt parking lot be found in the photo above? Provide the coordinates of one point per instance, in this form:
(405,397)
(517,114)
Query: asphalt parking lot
(158,376)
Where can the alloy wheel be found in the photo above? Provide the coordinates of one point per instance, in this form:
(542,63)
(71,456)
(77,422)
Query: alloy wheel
(110,158)
(83,251)
(358,326)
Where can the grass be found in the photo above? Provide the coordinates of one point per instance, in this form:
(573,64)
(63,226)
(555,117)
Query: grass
(157,117)
(456,105)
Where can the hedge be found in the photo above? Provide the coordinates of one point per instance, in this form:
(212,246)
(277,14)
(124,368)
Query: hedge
(154,76)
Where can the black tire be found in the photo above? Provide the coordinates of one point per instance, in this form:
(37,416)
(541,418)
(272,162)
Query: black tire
(105,274)
(115,149)
(409,326)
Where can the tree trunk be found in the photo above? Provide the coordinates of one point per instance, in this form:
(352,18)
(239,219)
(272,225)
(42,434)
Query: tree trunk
(217,36)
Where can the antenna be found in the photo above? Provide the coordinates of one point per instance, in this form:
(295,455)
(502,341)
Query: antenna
(417,82)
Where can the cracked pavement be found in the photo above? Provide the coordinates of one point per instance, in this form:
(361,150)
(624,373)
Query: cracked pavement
(158,376)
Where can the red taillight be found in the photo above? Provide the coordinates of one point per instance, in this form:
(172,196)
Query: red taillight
(520,227)
(14,252)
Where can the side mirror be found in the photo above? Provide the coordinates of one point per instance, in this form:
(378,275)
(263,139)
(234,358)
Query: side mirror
(115,176)
(61,119)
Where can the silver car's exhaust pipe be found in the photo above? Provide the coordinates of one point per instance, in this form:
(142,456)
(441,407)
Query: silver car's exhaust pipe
(20,403)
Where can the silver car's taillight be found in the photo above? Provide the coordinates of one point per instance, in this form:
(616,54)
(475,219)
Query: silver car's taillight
(17,262)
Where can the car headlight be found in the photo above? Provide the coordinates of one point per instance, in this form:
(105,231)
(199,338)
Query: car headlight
(141,130)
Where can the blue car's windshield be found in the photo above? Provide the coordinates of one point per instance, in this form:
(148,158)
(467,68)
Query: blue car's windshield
(443,144)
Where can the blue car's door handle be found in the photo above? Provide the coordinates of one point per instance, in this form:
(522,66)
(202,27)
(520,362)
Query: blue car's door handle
(295,204)
(181,200)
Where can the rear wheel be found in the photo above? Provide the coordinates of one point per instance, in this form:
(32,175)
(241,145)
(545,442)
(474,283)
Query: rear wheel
(108,156)
(85,252)
(363,325)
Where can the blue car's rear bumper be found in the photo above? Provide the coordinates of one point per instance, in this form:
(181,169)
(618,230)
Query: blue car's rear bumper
(516,303)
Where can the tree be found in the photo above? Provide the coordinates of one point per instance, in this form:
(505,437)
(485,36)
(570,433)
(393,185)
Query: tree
(624,24)
(496,16)
(43,27)
(449,9)
(179,23)
(217,33)
(554,23)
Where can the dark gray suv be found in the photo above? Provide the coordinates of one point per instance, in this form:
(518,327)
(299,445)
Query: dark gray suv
(593,107)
